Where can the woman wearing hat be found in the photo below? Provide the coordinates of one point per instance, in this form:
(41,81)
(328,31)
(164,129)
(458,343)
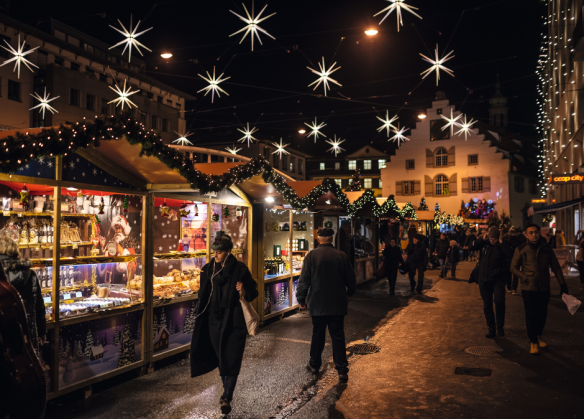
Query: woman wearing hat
(220,330)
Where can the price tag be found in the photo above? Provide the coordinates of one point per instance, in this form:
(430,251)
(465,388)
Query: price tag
(78,295)
(20,214)
(47,300)
(6,213)
(68,302)
(66,296)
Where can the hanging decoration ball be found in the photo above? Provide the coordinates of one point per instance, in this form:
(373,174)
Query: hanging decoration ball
(183,211)
(226,212)
(196,210)
(125,204)
(239,213)
(101,206)
(164,209)
(215,217)
(24,195)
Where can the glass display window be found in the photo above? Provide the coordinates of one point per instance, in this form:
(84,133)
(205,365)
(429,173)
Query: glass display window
(364,236)
(193,233)
(276,297)
(302,238)
(177,277)
(235,224)
(276,243)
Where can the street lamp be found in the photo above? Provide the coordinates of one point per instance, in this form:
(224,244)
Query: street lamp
(371,32)
(422,116)
(302,131)
(166,55)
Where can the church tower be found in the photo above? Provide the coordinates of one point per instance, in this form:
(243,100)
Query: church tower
(498,109)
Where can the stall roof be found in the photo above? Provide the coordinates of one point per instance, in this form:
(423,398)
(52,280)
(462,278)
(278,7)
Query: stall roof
(304,187)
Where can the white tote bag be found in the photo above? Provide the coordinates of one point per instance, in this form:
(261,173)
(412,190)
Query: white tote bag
(252,319)
(572,302)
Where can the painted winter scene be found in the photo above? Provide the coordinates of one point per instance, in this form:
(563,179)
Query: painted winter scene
(277,295)
(99,346)
(173,326)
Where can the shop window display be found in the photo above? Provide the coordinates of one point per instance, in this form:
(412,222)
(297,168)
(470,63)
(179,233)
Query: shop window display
(276,297)
(302,238)
(364,236)
(276,243)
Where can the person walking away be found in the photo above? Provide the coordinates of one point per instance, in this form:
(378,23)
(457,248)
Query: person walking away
(417,260)
(392,259)
(27,284)
(470,239)
(441,251)
(327,279)
(513,240)
(220,330)
(453,257)
(560,239)
(462,243)
(532,262)
(492,279)
(580,262)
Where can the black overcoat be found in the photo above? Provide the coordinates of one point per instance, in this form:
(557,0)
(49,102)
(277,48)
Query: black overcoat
(233,329)
(330,278)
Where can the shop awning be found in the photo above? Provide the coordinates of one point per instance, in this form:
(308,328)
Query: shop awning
(558,206)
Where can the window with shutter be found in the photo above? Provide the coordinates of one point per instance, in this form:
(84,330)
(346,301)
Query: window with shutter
(428,186)
(442,185)
(417,187)
(398,188)
(452,191)
(451,156)
(429,158)
(465,185)
(486,184)
(441,158)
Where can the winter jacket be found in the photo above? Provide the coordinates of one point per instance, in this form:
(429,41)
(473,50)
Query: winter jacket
(417,254)
(513,241)
(330,278)
(560,240)
(532,264)
(392,257)
(442,246)
(470,239)
(233,327)
(27,284)
(493,261)
(453,255)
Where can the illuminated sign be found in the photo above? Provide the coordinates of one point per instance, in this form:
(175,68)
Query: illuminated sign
(566,179)
(538,201)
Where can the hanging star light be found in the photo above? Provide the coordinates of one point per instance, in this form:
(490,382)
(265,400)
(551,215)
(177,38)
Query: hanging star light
(315,129)
(465,127)
(451,121)
(182,138)
(252,24)
(130,40)
(399,135)
(18,55)
(324,76)
(247,135)
(233,150)
(213,85)
(44,103)
(387,123)
(336,145)
(280,148)
(123,96)
(397,5)
(437,65)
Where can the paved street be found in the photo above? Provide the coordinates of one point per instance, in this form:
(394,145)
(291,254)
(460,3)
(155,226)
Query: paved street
(422,341)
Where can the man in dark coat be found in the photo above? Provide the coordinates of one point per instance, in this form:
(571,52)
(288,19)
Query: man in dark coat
(441,251)
(513,240)
(392,259)
(329,278)
(471,237)
(417,260)
(453,258)
(494,260)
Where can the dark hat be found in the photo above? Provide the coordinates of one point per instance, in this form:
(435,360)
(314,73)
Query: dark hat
(325,232)
(494,233)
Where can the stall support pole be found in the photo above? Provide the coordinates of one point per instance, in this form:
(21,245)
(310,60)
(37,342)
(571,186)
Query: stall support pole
(56,265)
(290,257)
(258,212)
(147,279)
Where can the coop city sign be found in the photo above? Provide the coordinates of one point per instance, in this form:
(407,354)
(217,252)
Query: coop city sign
(564,179)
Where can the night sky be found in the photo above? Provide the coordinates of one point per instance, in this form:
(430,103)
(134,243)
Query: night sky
(269,87)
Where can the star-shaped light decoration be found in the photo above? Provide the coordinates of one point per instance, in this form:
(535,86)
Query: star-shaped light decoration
(130,40)
(182,138)
(315,129)
(397,5)
(437,65)
(213,85)
(233,150)
(451,121)
(247,135)
(465,127)
(336,145)
(252,24)
(124,94)
(280,148)
(44,103)
(399,135)
(324,76)
(18,56)
(387,123)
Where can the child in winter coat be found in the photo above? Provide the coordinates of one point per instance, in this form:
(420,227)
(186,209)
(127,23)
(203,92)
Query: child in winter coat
(453,257)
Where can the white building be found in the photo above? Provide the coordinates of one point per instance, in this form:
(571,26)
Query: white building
(451,170)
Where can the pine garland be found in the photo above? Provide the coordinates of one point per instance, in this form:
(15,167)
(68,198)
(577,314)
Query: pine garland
(16,151)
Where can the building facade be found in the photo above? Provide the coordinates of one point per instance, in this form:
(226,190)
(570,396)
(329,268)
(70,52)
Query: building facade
(450,170)
(79,70)
(561,74)
(368,160)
